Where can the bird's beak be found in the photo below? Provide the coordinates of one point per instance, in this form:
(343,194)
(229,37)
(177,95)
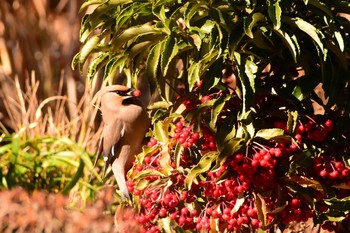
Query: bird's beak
(129,94)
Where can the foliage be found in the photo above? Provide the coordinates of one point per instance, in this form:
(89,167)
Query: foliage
(250,132)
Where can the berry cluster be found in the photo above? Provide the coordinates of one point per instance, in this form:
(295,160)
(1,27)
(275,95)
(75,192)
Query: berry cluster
(329,168)
(253,188)
(184,134)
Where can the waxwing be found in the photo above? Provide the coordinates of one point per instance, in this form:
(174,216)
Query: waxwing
(126,122)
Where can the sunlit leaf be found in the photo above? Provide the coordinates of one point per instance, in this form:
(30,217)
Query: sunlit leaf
(260,207)
(292,120)
(239,202)
(311,31)
(231,146)
(306,182)
(275,12)
(251,21)
(267,134)
(129,34)
(218,106)
(170,50)
(153,64)
(202,166)
(291,43)
(90,46)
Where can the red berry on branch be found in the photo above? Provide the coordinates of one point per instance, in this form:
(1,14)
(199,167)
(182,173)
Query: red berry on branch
(334,174)
(295,203)
(323,173)
(205,98)
(328,125)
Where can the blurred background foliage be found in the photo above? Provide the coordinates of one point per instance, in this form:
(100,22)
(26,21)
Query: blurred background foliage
(48,131)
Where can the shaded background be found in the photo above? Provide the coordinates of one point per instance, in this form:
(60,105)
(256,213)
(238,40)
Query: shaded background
(38,38)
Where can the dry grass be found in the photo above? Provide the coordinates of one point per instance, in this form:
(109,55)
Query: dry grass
(40,96)
(39,38)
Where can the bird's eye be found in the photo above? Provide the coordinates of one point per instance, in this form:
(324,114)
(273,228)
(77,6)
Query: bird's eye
(121,93)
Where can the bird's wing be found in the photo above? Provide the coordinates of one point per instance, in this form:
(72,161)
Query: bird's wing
(111,136)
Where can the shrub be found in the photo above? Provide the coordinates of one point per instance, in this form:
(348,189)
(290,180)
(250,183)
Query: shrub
(250,130)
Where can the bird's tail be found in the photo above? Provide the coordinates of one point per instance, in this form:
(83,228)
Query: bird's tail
(119,174)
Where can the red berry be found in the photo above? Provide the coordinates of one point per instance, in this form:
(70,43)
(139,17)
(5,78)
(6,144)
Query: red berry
(193,212)
(295,202)
(215,214)
(205,98)
(301,128)
(334,174)
(328,125)
(139,168)
(251,212)
(323,173)
(184,211)
(173,216)
(278,152)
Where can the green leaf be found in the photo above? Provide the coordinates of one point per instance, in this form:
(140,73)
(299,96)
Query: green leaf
(202,166)
(97,64)
(239,202)
(269,133)
(177,154)
(291,43)
(340,40)
(89,47)
(226,132)
(197,41)
(208,26)
(152,65)
(260,207)
(15,147)
(75,62)
(247,71)
(275,12)
(91,2)
(170,50)
(230,147)
(309,29)
(298,93)
(130,33)
(164,160)
(320,5)
(250,22)
(160,133)
(142,44)
(74,179)
(197,69)
(292,120)
(115,65)
(218,106)
(159,104)
(159,11)
(142,184)
(109,2)
(147,173)
(305,182)
(194,74)
(88,163)
(191,8)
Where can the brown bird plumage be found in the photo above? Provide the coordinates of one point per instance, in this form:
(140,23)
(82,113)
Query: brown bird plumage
(125,121)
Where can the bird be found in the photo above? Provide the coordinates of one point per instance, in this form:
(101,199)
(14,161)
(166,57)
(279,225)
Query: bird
(126,122)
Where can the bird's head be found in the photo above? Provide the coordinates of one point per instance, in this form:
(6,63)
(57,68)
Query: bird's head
(114,97)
